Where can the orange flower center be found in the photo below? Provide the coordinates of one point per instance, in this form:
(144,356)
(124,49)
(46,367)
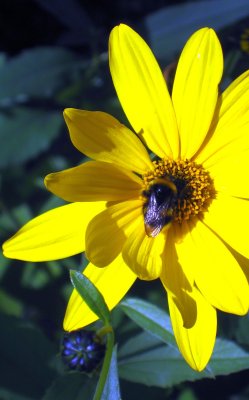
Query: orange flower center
(176,191)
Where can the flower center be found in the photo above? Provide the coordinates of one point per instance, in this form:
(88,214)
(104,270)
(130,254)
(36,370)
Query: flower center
(175,191)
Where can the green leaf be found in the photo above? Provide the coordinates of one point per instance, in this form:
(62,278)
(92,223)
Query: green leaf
(71,386)
(25,356)
(90,295)
(111,389)
(37,72)
(228,357)
(170,27)
(150,318)
(145,360)
(24,133)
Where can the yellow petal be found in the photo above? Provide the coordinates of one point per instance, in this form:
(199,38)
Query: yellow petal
(178,281)
(196,344)
(243,262)
(144,254)
(142,91)
(113,282)
(229,218)
(104,138)
(217,273)
(195,89)
(107,232)
(56,234)
(230,136)
(230,174)
(94,181)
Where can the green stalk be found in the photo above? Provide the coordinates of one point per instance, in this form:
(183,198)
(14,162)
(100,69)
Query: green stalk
(107,361)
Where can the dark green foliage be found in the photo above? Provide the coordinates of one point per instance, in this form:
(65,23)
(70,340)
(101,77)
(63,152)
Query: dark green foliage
(55,57)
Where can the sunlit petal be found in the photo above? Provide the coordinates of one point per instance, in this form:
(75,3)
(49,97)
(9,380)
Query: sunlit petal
(195,89)
(56,234)
(217,273)
(229,135)
(94,181)
(142,91)
(113,282)
(230,174)
(229,218)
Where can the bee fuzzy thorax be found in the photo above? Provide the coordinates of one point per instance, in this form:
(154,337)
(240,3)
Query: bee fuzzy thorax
(173,192)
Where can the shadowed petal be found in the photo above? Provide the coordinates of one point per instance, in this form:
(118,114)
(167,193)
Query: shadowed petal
(196,343)
(108,231)
(143,254)
(177,282)
(104,138)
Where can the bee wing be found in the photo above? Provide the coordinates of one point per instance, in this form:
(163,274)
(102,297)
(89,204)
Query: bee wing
(154,216)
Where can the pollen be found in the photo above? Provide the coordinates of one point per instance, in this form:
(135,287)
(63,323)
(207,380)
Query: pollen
(195,189)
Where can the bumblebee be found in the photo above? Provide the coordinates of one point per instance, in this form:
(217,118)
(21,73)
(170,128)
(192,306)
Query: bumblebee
(158,208)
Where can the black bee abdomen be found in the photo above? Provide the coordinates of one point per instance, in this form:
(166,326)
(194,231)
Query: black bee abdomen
(158,207)
(162,193)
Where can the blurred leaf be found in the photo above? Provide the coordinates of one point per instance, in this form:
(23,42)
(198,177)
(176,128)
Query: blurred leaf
(11,220)
(71,14)
(150,318)
(34,277)
(2,59)
(4,263)
(163,366)
(170,27)
(11,395)
(243,329)
(10,305)
(37,72)
(52,202)
(187,394)
(71,386)
(90,295)
(7,222)
(25,356)
(22,214)
(26,133)
(111,389)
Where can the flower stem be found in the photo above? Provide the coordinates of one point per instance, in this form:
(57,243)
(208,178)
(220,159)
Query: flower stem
(106,363)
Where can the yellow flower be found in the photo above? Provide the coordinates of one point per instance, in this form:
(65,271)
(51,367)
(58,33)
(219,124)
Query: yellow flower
(182,218)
